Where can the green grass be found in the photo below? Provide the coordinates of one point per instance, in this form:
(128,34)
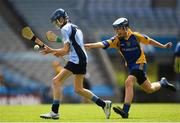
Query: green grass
(91,113)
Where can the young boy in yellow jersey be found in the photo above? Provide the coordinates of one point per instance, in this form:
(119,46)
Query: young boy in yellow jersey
(128,43)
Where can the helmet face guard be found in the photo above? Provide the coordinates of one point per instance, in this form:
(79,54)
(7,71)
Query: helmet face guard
(117,26)
(57,26)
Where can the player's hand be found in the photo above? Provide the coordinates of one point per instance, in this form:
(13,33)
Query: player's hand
(168,45)
(46,50)
(51,36)
(87,46)
(57,54)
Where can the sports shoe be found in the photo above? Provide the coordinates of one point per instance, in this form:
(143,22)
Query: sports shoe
(107,108)
(167,85)
(121,112)
(50,115)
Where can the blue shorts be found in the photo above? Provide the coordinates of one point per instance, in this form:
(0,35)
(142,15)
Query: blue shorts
(139,71)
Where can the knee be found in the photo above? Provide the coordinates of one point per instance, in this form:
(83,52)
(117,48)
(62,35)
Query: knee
(128,83)
(56,82)
(78,90)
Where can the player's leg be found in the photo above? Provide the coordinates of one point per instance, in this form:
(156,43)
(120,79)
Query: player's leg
(129,83)
(57,84)
(149,87)
(78,87)
(58,81)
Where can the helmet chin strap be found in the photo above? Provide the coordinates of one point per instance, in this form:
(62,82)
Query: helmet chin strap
(58,24)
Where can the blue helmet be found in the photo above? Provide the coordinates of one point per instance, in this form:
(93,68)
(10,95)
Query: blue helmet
(121,22)
(58,14)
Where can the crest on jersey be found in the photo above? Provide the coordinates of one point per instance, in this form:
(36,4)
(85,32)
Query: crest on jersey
(128,43)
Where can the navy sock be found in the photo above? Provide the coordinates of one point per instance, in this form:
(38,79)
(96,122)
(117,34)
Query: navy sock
(98,101)
(55,106)
(126,107)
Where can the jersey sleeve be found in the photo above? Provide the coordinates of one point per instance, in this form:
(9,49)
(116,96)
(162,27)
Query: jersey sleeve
(110,43)
(65,35)
(142,38)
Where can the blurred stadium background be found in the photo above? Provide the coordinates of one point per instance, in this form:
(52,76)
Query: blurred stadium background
(26,75)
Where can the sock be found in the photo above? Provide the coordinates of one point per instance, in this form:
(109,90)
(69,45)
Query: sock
(55,106)
(98,101)
(126,107)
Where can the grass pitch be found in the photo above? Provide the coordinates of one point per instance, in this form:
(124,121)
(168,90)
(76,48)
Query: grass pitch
(91,113)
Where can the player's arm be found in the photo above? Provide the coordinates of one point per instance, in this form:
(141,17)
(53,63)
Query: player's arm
(62,51)
(94,45)
(53,37)
(157,44)
(110,43)
(146,40)
(57,52)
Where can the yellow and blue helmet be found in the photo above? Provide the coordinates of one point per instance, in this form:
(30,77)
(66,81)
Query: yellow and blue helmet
(121,22)
(58,14)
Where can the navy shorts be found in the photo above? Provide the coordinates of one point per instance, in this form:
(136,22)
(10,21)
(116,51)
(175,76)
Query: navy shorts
(139,71)
(76,68)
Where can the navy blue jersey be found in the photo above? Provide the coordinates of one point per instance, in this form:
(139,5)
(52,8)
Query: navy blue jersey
(129,47)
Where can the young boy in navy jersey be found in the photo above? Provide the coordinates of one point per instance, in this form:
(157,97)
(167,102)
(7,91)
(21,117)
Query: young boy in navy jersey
(128,43)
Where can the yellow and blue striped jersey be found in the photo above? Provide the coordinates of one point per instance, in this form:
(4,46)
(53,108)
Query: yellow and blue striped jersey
(129,47)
